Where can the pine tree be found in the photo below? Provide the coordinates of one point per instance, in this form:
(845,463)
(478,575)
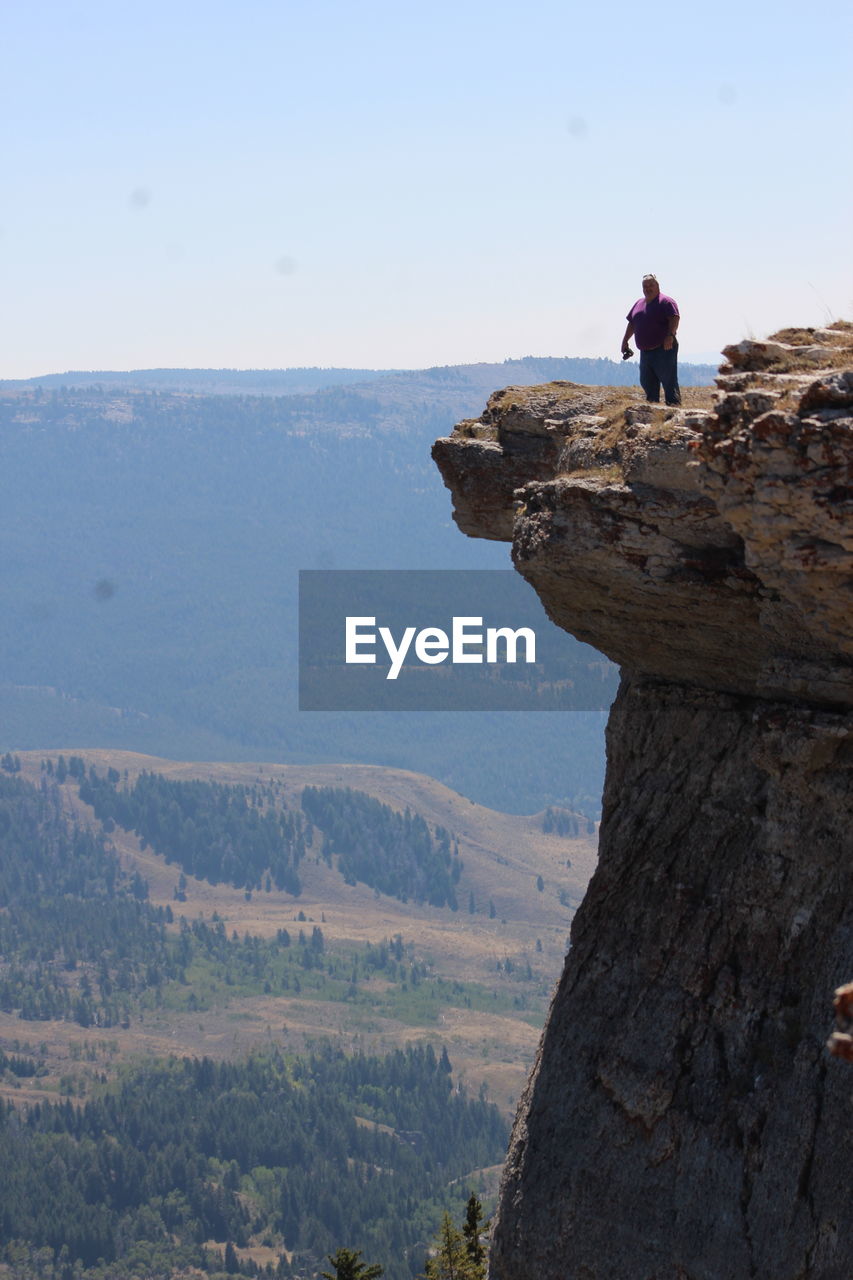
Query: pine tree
(472,1228)
(348,1267)
(459,1255)
(451,1260)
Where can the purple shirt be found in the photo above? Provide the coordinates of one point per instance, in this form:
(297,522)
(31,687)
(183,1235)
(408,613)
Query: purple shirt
(651,320)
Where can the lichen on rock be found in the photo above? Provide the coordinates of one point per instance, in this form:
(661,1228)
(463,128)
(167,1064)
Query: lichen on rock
(683,1118)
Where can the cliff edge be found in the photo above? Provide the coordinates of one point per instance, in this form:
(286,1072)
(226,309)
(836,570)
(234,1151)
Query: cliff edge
(683,1119)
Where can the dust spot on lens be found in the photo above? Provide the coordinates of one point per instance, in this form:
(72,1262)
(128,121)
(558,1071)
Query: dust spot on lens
(139,198)
(285,266)
(577,126)
(727,94)
(104,589)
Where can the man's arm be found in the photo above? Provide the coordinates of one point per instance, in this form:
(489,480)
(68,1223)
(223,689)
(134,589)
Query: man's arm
(629,333)
(673,329)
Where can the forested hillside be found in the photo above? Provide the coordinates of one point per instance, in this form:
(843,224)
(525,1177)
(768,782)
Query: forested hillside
(80,942)
(267,1162)
(77,939)
(212,831)
(394,853)
(297,1155)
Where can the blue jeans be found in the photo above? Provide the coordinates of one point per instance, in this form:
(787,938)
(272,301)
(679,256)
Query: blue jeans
(659,368)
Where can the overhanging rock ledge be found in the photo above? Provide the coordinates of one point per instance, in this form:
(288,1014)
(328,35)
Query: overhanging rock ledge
(683,1118)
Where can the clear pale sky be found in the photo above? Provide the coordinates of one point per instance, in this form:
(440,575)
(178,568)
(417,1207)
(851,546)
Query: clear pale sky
(383,184)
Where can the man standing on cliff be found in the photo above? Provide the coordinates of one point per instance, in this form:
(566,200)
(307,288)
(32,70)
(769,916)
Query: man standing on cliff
(653,320)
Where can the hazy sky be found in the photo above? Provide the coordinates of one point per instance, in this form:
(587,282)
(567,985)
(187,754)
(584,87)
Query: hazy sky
(392,184)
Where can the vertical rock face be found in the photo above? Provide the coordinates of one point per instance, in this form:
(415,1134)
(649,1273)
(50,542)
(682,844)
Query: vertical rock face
(683,1120)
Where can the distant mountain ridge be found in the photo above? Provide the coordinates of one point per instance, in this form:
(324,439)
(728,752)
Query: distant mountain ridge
(279,382)
(483,375)
(152,541)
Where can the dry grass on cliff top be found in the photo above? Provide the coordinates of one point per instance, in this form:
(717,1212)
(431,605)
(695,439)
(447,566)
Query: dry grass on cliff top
(609,402)
(838,335)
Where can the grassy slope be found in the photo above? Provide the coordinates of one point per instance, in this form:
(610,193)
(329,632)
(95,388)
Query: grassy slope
(503,855)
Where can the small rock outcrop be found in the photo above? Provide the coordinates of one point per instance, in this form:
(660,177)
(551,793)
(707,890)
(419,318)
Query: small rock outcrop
(840,1043)
(684,1119)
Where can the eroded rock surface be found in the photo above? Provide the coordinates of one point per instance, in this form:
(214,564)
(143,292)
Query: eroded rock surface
(683,1118)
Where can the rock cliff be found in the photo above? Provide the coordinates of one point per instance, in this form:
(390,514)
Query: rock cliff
(683,1119)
